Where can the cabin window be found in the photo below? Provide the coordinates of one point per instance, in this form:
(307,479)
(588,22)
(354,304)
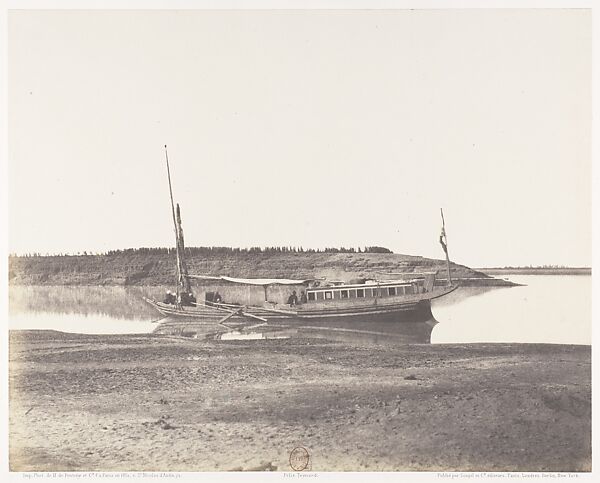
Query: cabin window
(344,294)
(352,294)
(391,290)
(336,294)
(328,295)
(373,292)
(360,293)
(320,296)
(311,296)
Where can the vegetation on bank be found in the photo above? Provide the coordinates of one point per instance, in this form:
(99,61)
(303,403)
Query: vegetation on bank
(148,266)
(216,251)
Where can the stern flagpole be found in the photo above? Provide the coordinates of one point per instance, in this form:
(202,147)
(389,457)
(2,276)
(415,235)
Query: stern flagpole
(444,243)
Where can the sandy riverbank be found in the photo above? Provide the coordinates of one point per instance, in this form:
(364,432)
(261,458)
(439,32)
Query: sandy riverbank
(156,268)
(129,403)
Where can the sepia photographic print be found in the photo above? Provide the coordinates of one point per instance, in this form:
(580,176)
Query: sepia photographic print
(340,241)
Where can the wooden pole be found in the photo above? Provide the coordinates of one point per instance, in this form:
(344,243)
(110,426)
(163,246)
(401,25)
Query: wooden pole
(446,248)
(184,278)
(175,227)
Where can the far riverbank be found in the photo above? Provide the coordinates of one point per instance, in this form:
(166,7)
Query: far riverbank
(154,268)
(536,271)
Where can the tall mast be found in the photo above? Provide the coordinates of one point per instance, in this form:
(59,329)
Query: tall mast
(184,280)
(179,274)
(444,243)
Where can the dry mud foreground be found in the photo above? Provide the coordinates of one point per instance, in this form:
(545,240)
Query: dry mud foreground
(132,403)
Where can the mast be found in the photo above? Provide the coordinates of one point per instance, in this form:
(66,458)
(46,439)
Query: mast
(444,243)
(179,274)
(184,280)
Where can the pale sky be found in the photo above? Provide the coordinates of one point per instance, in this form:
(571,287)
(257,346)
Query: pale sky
(311,128)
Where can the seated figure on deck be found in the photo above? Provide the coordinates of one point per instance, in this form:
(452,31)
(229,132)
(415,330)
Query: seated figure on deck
(187,298)
(217,299)
(170,298)
(293,299)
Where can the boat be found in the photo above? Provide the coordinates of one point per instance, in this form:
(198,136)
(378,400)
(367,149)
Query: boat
(314,301)
(384,300)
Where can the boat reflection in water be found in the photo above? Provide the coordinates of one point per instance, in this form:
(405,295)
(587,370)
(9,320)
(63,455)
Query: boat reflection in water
(356,332)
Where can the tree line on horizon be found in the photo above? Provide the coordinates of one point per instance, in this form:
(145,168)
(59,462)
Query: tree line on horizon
(211,251)
(534,267)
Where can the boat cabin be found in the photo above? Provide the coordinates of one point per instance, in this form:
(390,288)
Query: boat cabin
(278,291)
(366,290)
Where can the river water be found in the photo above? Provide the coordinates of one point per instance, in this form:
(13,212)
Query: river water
(546,309)
(555,309)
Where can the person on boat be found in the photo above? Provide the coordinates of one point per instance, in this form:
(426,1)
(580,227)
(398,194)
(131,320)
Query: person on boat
(217,299)
(187,298)
(170,298)
(303,298)
(293,299)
